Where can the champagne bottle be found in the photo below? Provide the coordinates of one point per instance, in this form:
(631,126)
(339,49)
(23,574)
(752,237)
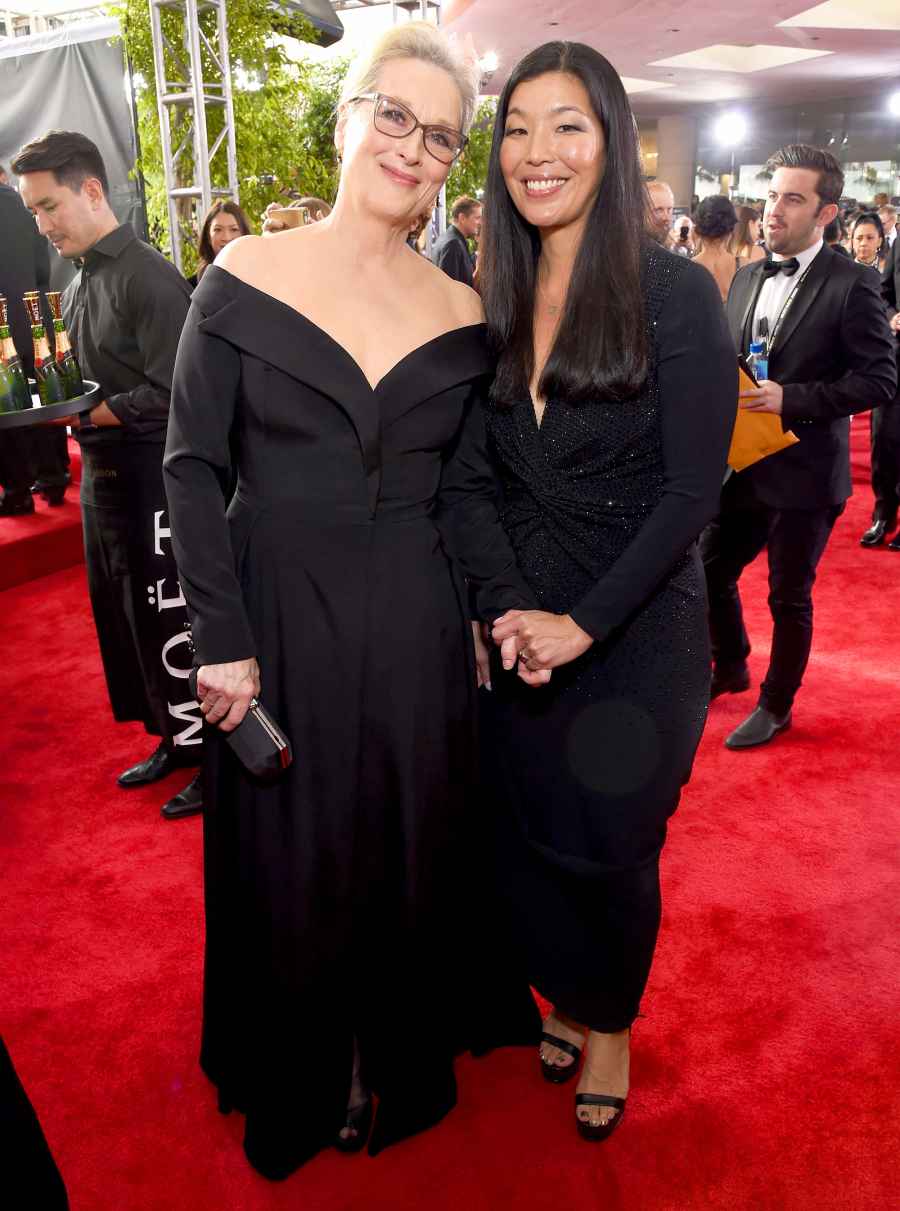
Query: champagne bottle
(14,392)
(51,384)
(65,356)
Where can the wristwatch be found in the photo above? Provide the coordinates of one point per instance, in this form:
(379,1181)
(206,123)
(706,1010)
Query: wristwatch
(85,424)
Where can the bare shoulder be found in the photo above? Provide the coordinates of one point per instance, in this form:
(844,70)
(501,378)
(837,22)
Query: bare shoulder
(241,256)
(257,260)
(450,298)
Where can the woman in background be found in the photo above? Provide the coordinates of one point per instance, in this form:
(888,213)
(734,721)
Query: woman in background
(867,240)
(224,222)
(745,244)
(609,423)
(714,223)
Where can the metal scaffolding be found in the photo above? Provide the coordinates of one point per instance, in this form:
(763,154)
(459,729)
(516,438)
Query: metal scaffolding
(193,81)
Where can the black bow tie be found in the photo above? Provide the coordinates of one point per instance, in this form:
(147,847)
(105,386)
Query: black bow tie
(788,267)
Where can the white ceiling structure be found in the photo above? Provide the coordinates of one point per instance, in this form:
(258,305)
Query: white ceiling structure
(677,54)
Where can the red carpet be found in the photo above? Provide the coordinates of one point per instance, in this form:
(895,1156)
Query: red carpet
(46,540)
(765,1072)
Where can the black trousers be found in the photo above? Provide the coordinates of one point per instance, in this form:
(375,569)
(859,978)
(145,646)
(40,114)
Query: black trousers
(27,455)
(139,611)
(796,540)
(886,462)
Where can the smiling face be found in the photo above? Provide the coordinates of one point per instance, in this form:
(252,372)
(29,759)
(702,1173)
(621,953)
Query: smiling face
(222,230)
(795,217)
(72,220)
(397,178)
(553,152)
(866,242)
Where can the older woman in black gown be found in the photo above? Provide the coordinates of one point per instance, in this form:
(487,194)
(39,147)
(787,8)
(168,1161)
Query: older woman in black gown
(614,400)
(342,373)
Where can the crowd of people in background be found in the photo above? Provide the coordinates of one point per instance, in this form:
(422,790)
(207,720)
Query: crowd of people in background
(725,237)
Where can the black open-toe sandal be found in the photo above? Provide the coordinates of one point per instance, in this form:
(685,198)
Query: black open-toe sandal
(598,1131)
(556,1074)
(359,1120)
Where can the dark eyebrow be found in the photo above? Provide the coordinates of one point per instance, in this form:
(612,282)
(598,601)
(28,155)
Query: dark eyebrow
(557,109)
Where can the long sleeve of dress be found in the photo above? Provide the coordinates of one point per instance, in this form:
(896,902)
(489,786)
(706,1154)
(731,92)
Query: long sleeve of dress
(196,466)
(469,524)
(698,386)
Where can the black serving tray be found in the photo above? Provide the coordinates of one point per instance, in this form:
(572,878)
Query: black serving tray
(37,415)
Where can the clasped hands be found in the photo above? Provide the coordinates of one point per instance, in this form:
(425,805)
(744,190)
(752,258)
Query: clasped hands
(536,641)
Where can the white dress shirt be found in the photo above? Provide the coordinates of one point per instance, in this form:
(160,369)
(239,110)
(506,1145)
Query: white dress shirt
(775,289)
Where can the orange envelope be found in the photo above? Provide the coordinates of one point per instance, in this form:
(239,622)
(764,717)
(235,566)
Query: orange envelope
(756,434)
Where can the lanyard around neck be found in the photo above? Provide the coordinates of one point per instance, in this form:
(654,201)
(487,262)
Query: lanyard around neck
(785,308)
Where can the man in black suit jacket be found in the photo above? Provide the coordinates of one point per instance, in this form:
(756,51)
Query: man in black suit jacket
(451,250)
(886,428)
(25,265)
(831,354)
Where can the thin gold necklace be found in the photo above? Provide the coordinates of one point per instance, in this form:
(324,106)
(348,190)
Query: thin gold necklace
(553,308)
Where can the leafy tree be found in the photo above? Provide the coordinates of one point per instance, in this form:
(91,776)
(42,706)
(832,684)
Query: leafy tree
(469,173)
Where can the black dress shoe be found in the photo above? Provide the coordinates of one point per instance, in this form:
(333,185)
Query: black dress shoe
(874,536)
(187,802)
(158,765)
(16,505)
(758,728)
(894,544)
(729,681)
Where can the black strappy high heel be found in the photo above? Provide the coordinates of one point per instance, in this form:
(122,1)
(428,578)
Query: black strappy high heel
(556,1074)
(598,1131)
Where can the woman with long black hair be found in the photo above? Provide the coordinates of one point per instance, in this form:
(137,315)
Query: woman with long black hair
(611,411)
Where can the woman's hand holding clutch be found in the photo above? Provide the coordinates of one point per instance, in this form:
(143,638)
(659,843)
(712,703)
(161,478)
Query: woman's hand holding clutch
(225,691)
(542,640)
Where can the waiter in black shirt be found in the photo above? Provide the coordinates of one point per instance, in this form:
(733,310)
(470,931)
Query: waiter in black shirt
(124,312)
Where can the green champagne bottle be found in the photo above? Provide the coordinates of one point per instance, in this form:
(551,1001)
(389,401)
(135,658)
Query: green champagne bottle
(51,384)
(65,356)
(14,392)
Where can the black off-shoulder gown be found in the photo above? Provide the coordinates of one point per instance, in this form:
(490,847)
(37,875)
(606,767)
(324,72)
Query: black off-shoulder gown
(603,504)
(339,902)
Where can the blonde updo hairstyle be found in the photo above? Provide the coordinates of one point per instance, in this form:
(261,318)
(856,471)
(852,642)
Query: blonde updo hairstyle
(415,40)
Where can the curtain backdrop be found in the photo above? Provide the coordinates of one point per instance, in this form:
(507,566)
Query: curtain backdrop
(73,78)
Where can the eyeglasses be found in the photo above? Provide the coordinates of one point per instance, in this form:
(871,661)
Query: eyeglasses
(394,119)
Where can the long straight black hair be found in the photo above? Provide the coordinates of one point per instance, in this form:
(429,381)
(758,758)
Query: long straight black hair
(601,345)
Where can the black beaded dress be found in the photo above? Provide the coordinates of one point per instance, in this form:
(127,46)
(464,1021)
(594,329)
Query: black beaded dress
(603,503)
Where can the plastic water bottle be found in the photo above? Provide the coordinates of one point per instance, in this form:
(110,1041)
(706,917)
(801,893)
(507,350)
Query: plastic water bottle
(758,361)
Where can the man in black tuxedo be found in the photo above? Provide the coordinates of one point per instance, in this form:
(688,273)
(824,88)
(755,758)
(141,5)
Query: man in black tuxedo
(831,354)
(451,250)
(886,428)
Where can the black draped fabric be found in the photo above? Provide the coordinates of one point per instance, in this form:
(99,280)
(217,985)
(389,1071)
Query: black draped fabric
(339,901)
(603,504)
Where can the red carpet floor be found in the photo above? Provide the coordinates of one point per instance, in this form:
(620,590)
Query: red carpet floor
(765,1072)
(46,540)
